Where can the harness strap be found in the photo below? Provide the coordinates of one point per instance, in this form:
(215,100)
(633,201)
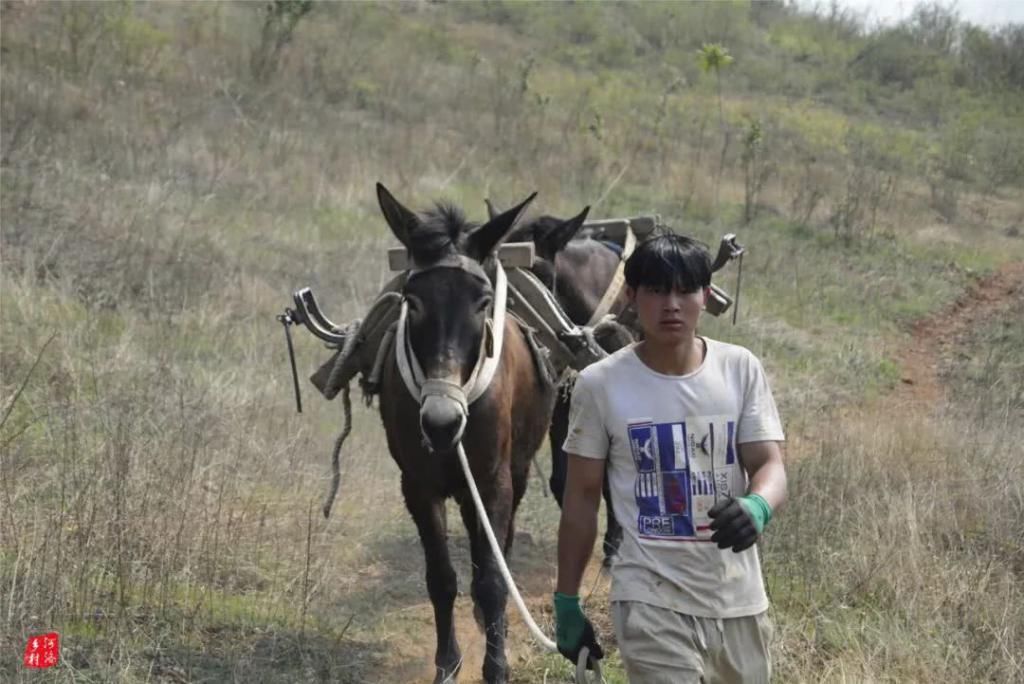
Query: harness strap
(371,385)
(614,246)
(540,298)
(404,357)
(617,283)
(491,345)
(532,302)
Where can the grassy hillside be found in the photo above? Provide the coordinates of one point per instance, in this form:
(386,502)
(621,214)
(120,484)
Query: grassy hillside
(170,172)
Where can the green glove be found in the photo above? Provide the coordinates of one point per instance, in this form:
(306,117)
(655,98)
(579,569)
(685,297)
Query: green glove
(737,523)
(573,630)
(758,509)
(569,620)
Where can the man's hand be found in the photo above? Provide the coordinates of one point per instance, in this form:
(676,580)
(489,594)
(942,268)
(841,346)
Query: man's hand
(573,630)
(737,523)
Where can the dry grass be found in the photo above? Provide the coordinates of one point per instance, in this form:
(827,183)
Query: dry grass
(158,494)
(899,558)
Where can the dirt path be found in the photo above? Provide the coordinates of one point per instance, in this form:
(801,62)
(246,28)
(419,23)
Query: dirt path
(533,568)
(934,339)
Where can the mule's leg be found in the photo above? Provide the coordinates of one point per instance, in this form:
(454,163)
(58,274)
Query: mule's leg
(442,583)
(490,594)
(520,478)
(612,530)
(557,433)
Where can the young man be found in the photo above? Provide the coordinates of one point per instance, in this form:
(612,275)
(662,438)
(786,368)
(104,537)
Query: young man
(691,436)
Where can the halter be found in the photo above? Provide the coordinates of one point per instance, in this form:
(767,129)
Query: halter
(490,345)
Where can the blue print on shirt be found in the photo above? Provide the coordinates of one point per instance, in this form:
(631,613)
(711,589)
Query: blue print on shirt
(676,478)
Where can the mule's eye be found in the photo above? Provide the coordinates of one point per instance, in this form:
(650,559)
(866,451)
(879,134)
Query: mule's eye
(483,304)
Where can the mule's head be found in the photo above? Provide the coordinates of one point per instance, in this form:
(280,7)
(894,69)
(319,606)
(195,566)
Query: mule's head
(575,267)
(549,235)
(448,297)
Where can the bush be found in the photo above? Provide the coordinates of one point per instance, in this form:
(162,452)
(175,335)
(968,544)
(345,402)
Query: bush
(280,17)
(893,58)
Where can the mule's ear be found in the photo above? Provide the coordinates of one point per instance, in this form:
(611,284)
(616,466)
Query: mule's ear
(400,220)
(491,211)
(485,239)
(553,241)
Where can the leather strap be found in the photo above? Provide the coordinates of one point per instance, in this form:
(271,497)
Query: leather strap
(617,283)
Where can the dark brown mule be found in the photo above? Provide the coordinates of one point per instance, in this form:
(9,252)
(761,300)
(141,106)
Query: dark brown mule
(449,297)
(575,266)
(578,269)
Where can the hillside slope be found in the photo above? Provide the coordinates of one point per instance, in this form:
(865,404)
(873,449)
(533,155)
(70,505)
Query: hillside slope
(170,172)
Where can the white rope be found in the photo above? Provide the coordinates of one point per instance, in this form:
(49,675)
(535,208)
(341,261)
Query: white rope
(581,665)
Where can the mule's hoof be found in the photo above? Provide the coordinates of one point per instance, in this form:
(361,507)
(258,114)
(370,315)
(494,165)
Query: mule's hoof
(448,675)
(495,674)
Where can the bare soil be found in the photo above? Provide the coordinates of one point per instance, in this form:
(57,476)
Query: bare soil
(934,339)
(533,568)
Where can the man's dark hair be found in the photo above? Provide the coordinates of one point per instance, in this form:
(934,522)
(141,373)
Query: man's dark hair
(669,262)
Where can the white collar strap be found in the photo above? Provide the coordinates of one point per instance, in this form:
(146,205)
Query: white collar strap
(618,281)
(487,358)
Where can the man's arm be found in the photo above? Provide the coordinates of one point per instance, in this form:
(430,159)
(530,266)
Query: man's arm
(767,473)
(577,529)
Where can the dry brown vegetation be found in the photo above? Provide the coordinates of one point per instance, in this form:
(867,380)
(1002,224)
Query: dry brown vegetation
(169,175)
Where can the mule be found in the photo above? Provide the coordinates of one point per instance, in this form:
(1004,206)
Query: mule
(449,298)
(578,270)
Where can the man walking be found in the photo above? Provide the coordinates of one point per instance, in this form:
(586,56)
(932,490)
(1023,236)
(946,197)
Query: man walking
(691,436)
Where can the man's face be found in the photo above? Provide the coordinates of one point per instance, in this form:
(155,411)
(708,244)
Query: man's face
(667,316)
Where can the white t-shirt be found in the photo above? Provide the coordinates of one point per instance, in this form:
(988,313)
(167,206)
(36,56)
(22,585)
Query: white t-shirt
(671,441)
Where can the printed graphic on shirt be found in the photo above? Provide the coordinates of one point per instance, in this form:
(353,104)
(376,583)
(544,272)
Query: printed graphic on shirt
(680,469)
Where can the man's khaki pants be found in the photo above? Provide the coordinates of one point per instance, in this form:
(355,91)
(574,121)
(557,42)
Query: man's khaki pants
(661,646)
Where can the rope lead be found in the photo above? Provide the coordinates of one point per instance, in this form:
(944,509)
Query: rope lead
(531,624)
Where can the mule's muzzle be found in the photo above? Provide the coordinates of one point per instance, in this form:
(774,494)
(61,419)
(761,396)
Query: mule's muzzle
(443,414)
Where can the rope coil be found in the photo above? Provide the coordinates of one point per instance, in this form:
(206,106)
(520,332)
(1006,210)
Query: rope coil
(351,332)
